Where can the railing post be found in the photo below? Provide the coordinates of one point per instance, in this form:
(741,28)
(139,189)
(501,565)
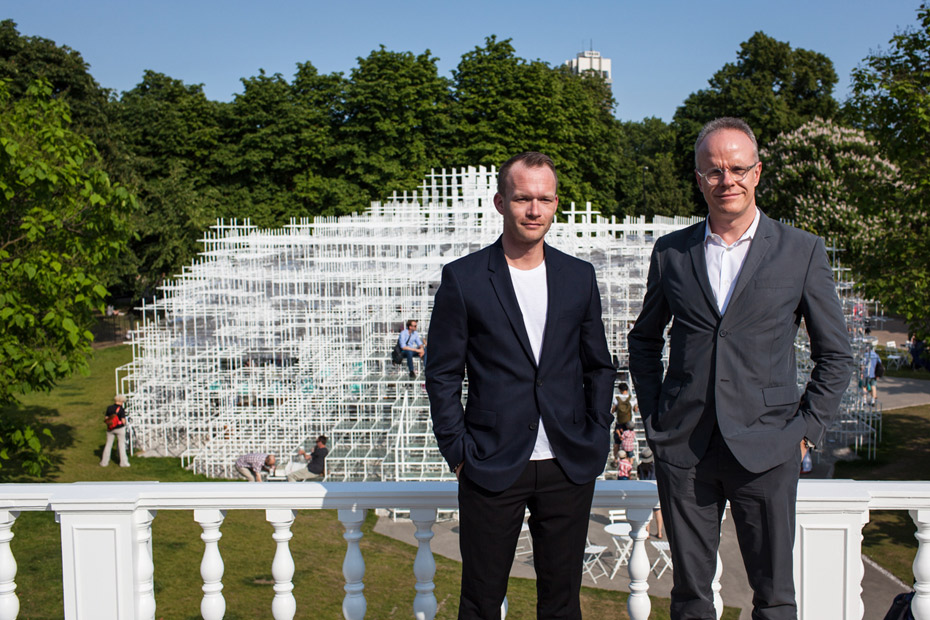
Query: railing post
(213,605)
(9,603)
(638,604)
(145,567)
(920,604)
(828,567)
(353,567)
(284,606)
(424,566)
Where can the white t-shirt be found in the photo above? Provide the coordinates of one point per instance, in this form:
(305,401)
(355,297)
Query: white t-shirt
(533,297)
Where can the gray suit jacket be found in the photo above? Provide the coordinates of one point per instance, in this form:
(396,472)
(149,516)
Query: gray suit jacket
(739,369)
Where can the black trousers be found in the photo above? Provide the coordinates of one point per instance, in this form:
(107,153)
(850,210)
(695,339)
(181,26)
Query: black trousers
(763,510)
(490,526)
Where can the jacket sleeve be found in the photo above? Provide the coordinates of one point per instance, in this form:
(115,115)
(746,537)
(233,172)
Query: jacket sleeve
(647,339)
(445,368)
(829,341)
(597,366)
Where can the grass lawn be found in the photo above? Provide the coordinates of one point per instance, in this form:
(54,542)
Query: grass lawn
(74,414)
(903,454)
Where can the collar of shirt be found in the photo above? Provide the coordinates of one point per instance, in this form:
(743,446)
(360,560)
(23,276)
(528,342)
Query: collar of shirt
(724,262)
(712,237)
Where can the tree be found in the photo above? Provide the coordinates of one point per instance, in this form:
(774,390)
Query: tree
(771,86)
(395,119)
(64,225)
(649,182)
(170,131)
(834,182)
(23,60)
(504,105)
(891,98)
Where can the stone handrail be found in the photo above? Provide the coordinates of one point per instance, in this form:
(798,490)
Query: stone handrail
(106,531)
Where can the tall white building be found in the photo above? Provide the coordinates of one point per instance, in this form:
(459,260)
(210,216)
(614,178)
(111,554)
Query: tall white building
(590,61)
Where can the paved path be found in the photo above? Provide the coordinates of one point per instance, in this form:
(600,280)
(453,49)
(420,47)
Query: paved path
(878,587)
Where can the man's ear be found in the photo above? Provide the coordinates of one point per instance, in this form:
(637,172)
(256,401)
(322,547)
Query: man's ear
(499,203)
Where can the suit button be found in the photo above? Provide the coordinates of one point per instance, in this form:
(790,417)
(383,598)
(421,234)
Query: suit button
(533,427)
(724,333)
(539,382)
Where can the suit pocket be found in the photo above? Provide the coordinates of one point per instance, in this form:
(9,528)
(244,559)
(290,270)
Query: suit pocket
(780,395)
(775,283)
(481,417)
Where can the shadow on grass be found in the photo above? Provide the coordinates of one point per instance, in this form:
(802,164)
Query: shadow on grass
(39,419)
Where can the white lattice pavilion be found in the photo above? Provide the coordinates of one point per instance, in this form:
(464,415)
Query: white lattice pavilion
(273,337)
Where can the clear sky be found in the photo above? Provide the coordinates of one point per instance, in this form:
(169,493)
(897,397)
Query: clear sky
(661,50)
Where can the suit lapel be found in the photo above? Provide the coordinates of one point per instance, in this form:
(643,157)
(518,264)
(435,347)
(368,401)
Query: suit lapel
(699,262)
(554,264)
(503,288)
(758,247)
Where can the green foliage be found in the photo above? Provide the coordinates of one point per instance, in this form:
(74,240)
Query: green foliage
(63,224)
(891,98)
(395,118)
(63,228)
(24,60)
(649,182)
(505,105)
(771,86)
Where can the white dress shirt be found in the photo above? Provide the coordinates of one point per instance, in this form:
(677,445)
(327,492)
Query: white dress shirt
(724,262)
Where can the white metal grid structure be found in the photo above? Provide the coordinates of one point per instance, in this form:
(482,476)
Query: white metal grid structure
(273,337)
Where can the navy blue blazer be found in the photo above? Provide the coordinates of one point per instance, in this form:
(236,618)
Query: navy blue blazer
(738,369)
(477,329)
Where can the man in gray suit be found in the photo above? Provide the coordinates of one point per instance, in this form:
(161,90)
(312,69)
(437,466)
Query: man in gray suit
(726,420)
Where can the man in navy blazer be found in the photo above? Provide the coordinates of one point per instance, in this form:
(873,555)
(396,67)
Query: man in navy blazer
(726,419)
(523,320)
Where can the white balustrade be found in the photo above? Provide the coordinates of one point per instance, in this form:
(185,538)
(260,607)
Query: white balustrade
(107,539)
(424,566)
(353,567)
(284,605)
(145,566)
(213,605)
(9,603)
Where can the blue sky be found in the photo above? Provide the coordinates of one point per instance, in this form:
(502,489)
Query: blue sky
(661,50)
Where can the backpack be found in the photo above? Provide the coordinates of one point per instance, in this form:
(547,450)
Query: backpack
(879,369)
(901,607)
(624,411)
(113,421)
(397,354)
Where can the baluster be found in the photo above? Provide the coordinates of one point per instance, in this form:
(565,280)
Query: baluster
(213,605)
(284,606)
(353,567)
(715,584)
(638,604)
(9,603)
(145,567)
(424,566)
(920,605)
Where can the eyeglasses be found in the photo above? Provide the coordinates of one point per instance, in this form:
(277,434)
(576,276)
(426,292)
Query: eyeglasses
(715,175)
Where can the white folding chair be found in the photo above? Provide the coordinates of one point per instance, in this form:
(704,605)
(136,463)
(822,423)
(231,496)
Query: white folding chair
(624,546)
(617,516)
(592,561)
(664,558)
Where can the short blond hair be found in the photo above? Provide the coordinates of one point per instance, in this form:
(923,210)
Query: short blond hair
(119,399)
